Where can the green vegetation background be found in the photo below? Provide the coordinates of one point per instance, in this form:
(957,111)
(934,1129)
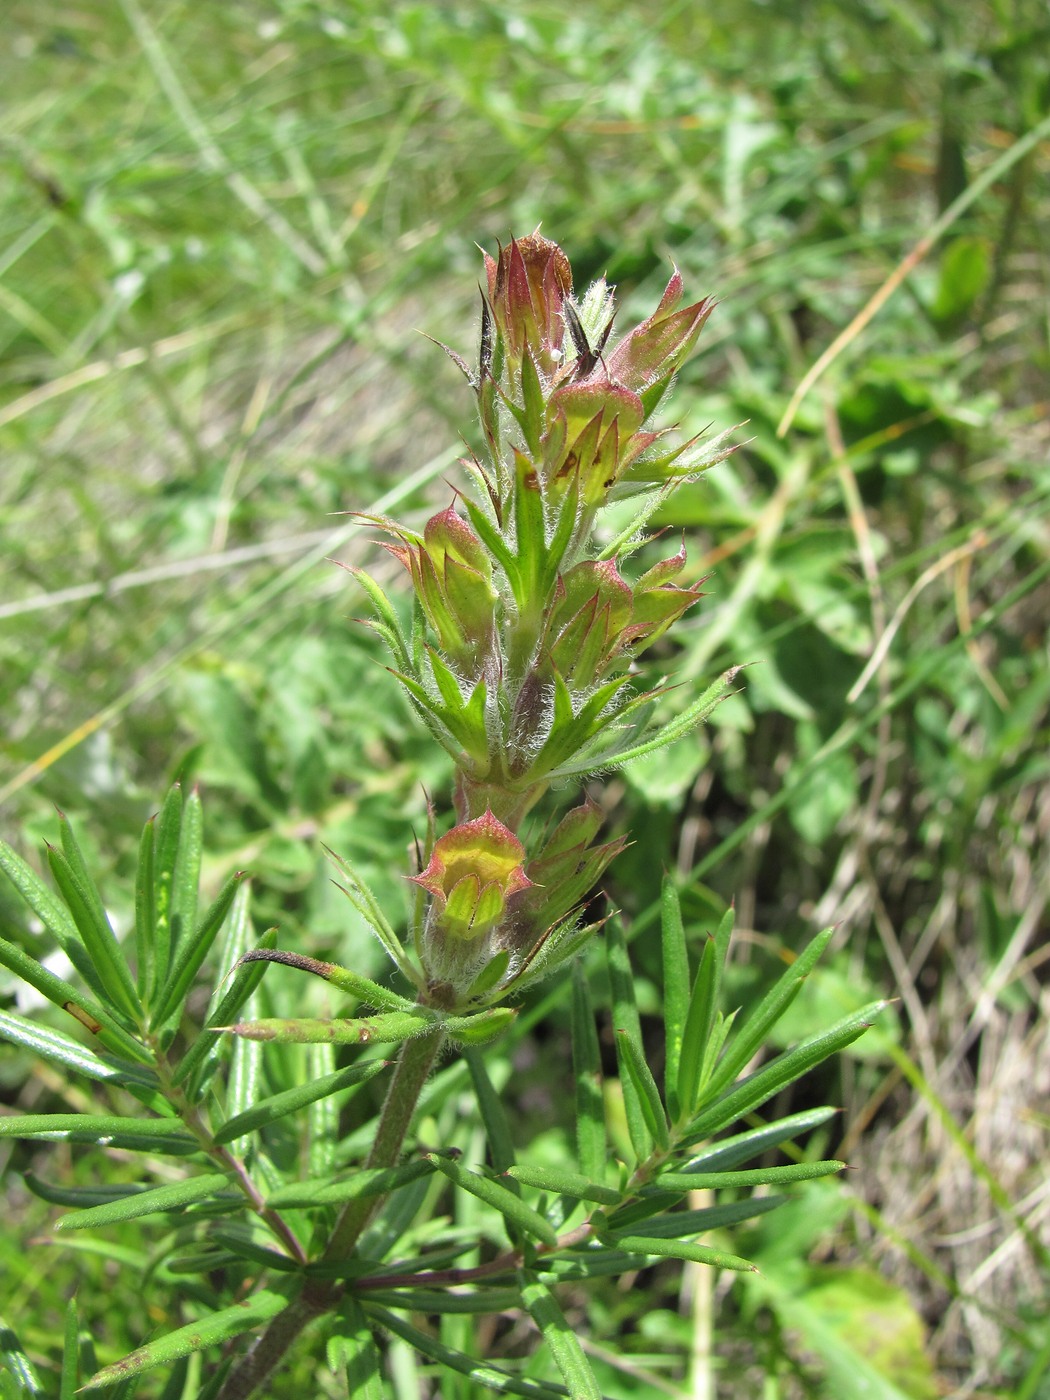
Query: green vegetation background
(221,229)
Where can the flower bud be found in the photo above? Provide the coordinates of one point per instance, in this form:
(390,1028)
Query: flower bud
(590,438)
(474,870)
(568,867)
(528,285)
(452,574)
(585,629)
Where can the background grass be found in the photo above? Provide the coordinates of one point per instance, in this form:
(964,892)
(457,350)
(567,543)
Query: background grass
(221,227)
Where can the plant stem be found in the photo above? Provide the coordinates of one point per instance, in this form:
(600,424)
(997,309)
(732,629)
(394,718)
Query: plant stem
(413,1069)
(190,1115)
(320,1295)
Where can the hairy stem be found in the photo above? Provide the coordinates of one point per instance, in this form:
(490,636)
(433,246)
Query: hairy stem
(319,1295)
(413,1069)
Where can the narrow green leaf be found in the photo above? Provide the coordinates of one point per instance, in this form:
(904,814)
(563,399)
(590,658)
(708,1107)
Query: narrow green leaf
(207,1046)
(351,1348)
(529,527)
(278,1106)
(481,1372)
(569,1356)
(14,1360)
(587,1072)
(185,884)
(698,1023)
(723,937)
(152,1200)
(496,545)
(211,1386)
(244,1079)
(192,948)
(353,983)
(78,1197)
(389,1027)
(630,1057)
(678,1223)
(367,991)
(758,1176)
(61,1049)
(396,641)
(631,538)
(51,913)
(448,686)
(85,1010)
(365,902)
(212,1330)
(780,1072)
(434,1300)
(751,1036)
(533,400)
(676,989)
(625,1018)
(681,1249)
(489,976)
(70,1353)
(568,516)
(238,1240)
(322,1118)
(165,855)
(493,1114)
(728,1152)
(375,1181)
(563,1183)
(665,734)
(145,910)
(85,904)
(481,1027)
(203,1260)
(139,1134)
(570,736)
(498,1196)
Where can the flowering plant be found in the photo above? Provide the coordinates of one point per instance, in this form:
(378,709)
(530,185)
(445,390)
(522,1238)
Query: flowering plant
(525,630)
(527,621)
